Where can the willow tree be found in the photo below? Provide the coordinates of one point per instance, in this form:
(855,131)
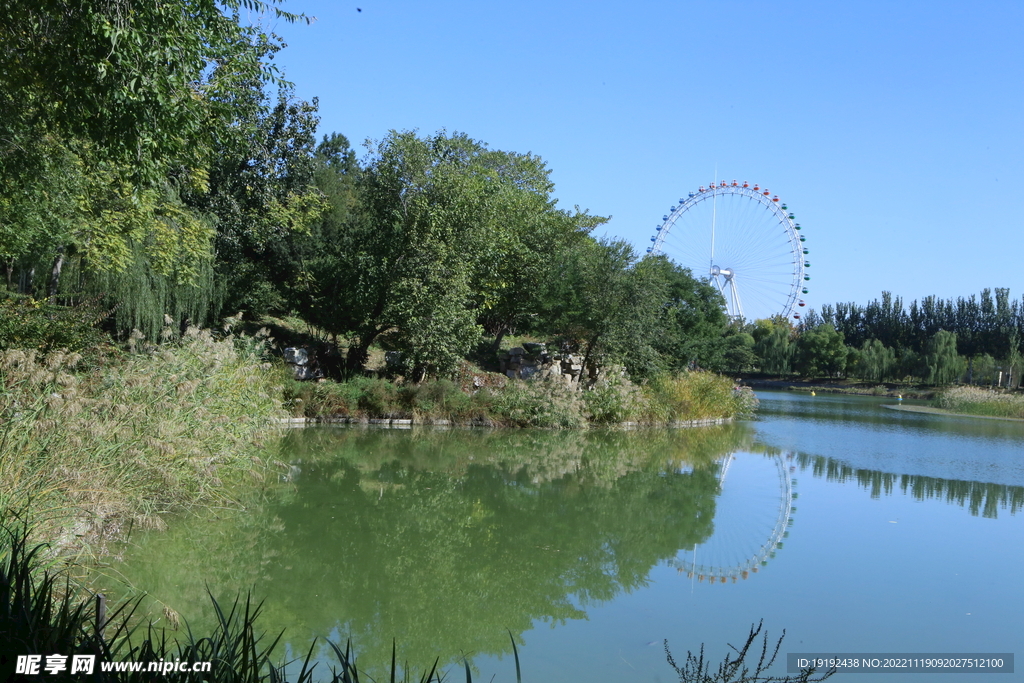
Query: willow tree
(109,111)
(940,363)
(774,345)
(876,362)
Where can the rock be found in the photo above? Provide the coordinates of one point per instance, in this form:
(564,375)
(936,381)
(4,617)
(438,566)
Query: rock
(296,356)
(304,372)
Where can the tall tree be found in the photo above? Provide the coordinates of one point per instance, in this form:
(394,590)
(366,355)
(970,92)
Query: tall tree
(821,350)
(404,263)
(692,319)
(774,345)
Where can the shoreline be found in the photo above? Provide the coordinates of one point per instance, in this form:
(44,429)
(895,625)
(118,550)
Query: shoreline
(400,423)
(838,388)
(941,411)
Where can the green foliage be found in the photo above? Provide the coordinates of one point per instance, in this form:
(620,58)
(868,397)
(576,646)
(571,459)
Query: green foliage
(990,324)
(613,399)
(696,396)
(540,403)
(405,264)
(692,320)
(609,305)
(821,350)
(738,355)
(876,362)
(261,189)
(121,123)
(29,324)
(774,346)
(940,363)
(124,77)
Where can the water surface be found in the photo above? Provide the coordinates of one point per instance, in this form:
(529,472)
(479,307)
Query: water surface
(853,527)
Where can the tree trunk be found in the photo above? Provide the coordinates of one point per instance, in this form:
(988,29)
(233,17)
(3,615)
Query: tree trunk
(498,338)
(355,359)
(28,280)
(58,263)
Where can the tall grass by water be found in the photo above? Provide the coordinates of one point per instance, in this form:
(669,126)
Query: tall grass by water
(975,401)
(546,403)
(134,435)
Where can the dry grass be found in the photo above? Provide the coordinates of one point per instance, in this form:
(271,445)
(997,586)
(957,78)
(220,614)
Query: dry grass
(975,401)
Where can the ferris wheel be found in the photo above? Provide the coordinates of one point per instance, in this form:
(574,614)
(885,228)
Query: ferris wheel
(753,513)
(745,241)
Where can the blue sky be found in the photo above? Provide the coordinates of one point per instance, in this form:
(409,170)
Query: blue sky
(894,130)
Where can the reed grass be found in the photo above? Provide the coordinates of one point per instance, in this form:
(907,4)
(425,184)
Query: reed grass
(975,401)
(140,433)
(735,669)
(545,403)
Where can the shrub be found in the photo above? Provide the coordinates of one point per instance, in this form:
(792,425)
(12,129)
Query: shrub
(29,324)
(540,403)
(614,399)
(975,401)
(697,396)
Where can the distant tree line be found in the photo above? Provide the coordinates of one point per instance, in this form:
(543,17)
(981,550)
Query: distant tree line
(934,341)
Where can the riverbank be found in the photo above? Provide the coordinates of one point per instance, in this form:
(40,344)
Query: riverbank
(93,445)
(940,411)
(681,400)
(981,402)
(842,387)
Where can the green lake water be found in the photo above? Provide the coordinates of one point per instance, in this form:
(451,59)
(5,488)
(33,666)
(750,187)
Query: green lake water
(856,528)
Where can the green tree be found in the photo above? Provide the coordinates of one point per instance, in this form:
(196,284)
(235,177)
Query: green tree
(940,363)
(127,77)
(739,353)
(774,346)
(112,114)
(876,362)
(403,263)
(692,319)
(608,305)
(521,257)
(820,350)
(262,192)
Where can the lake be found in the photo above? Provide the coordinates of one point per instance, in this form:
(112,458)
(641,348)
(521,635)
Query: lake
(856,528)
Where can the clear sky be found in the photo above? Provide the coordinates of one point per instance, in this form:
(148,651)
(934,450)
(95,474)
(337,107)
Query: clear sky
(894,130)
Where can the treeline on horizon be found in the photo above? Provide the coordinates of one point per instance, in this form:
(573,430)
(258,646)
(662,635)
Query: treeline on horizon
(156,172)
(974,340)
